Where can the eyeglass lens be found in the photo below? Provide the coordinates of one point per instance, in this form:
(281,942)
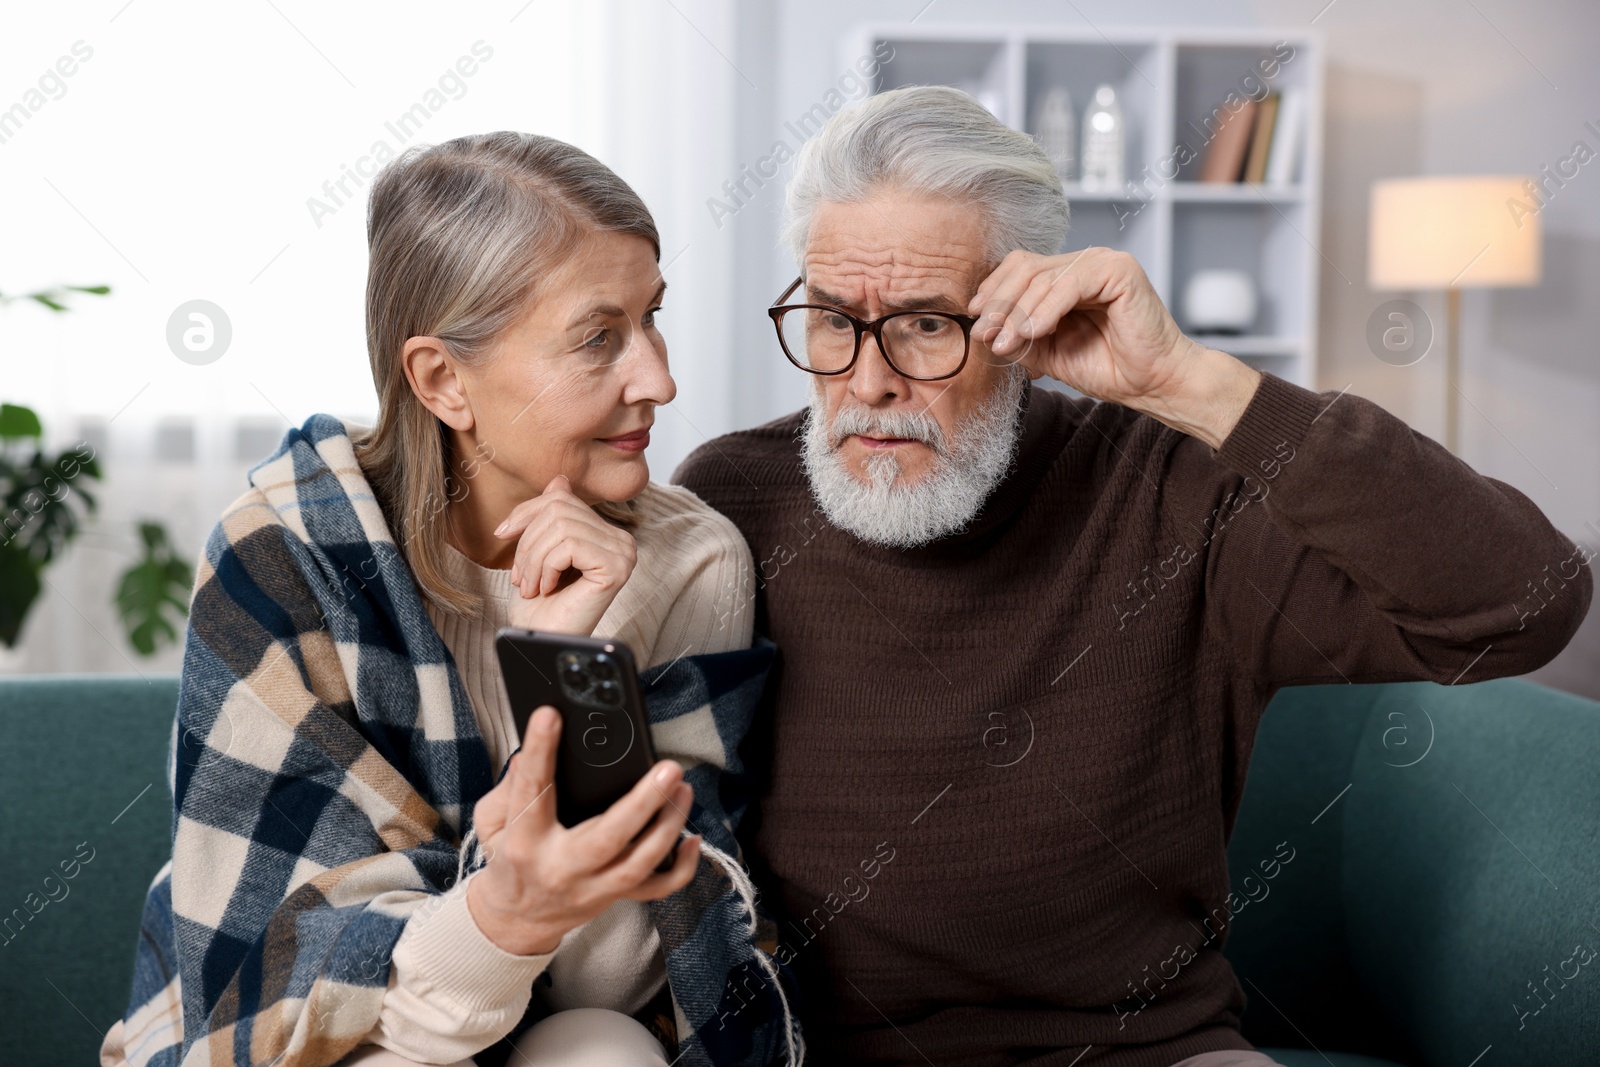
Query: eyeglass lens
(920,344)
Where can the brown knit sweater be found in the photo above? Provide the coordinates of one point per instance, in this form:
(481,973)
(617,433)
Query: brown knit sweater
(1002,769)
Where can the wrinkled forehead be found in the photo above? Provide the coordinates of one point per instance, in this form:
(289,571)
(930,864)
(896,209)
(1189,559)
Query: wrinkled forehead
(895,252)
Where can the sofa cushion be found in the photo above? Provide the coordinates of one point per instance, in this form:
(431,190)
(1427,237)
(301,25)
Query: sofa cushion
(1468,886)
(88,823)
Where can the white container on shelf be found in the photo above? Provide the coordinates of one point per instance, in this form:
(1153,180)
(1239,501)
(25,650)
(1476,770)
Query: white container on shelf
(1105,141)
(1056,129)
(1219,301)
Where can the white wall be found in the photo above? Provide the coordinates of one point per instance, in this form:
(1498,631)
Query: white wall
(1415,87)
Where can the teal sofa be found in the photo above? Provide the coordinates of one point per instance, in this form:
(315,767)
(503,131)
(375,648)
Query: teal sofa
(1439,895)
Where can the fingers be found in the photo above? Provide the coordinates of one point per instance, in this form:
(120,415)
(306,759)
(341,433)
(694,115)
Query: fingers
(674,878)
(533,772)
(531,515)
(558,490)
(555,563)
(1028,295)
(1040,310)
(1000,291)
(604,554)
(1050,294)
(489,813)
(638,860)
(606,835)
(1022,325)
(1014,263)
(563,545)
(560,532)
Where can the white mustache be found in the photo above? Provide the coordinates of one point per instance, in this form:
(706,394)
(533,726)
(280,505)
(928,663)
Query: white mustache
(911,425)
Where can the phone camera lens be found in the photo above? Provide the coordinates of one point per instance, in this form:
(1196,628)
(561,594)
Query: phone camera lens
(574,674)
(603,669)
(608,692)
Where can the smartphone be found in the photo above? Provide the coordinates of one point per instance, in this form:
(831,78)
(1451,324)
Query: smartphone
(605,734)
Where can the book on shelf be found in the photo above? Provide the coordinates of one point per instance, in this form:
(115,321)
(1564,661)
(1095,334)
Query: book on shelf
(1259,143)
(1255,167)
(1224,155)
(1291,128)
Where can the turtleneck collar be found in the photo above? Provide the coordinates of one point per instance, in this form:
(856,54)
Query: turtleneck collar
(493,583)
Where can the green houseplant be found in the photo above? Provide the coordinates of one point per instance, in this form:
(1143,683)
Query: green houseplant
(39,518)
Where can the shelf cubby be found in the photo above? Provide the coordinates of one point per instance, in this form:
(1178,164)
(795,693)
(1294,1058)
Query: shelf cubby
(1168,82)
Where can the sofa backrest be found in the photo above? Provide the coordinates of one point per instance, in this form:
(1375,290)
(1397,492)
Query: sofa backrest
(1442,899)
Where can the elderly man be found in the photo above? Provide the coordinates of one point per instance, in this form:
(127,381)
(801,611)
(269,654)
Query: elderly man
(1026,639)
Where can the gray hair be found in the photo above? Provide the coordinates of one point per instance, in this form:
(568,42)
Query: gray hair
(935,139)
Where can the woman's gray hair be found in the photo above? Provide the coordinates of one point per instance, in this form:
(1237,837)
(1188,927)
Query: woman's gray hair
(934,139)
(462,237)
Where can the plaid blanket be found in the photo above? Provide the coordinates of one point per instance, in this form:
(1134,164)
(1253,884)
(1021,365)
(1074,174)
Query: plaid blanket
(324,764)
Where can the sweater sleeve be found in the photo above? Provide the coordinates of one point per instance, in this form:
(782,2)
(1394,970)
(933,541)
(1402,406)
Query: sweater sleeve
(1359,550)
(452,991)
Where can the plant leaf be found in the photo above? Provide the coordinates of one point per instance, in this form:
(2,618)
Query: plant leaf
(52,297)
(17,421)
(19,587)
(152,589)
(38,504)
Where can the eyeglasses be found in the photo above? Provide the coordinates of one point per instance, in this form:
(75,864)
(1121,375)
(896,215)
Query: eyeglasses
(923,345)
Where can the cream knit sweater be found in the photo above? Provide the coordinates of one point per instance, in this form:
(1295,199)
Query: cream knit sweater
(452,991)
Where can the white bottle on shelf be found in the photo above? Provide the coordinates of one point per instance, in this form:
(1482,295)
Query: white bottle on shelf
(1055,127)
(1104,141)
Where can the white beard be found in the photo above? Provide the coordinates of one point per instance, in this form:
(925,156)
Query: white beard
(887,510)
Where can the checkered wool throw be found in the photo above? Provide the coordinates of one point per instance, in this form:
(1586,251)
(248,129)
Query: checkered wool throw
(324,765)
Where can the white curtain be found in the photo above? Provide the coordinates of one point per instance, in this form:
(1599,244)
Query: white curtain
(668,130)
(218,153)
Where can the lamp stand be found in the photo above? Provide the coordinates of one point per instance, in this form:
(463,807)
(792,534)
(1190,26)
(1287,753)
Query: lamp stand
(1452,366)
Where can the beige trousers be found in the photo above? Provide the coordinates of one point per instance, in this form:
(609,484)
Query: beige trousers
(579,1037)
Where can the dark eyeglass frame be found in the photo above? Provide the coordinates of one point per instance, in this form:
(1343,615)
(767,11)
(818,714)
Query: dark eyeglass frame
(872,326)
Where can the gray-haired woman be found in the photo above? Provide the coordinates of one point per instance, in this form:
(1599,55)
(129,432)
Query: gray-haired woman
(512,301)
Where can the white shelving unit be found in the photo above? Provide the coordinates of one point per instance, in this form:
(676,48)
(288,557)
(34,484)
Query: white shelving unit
(1168,82)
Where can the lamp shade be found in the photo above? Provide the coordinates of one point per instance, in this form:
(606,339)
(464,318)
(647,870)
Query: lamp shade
(1461,232)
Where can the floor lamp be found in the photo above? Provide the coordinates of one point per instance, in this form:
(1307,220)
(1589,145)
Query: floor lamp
(1453,233)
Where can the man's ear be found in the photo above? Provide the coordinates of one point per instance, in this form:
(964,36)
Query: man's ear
(434,375)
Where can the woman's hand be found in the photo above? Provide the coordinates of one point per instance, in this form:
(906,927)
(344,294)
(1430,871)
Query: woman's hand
(558,532)
(544,879)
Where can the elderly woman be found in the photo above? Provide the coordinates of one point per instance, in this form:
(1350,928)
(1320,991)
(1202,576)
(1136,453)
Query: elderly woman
(344,743)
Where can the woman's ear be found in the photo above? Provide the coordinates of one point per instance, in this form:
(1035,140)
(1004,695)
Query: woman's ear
(435,377)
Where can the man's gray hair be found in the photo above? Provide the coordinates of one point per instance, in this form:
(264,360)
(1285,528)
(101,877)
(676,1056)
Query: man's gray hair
(934,139)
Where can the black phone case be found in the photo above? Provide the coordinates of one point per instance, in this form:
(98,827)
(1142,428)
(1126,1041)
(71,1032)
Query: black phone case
(605,749)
